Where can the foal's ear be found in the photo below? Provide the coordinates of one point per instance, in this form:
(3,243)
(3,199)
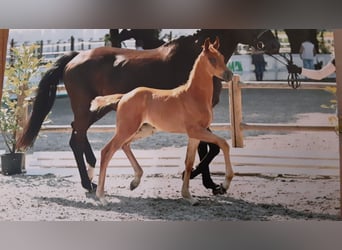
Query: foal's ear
(206,44)
(216,44)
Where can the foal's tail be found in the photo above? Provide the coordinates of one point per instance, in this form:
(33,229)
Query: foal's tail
(104,101)
(44,100)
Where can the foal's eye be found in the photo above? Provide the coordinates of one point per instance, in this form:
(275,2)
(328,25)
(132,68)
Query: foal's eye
(212,61)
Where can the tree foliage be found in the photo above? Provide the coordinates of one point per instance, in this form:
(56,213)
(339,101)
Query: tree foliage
(17,89)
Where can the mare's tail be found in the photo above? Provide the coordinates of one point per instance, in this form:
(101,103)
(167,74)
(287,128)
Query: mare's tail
(104,101)
(44,100)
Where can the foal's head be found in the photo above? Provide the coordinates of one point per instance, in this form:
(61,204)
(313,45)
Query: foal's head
(215,60)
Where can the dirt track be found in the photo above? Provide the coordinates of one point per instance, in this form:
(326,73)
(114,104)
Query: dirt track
(276,198)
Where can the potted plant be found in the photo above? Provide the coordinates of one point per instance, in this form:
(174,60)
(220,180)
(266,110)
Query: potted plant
(24,64)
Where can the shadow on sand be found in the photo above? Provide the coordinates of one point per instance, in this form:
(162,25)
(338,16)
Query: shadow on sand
(210,209)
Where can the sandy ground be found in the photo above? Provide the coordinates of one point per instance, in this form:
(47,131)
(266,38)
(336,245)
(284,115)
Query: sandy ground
(54,197)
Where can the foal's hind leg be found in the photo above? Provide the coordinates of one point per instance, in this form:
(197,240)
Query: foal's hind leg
(124,134)
(106,154)
(138,172)
(189,162)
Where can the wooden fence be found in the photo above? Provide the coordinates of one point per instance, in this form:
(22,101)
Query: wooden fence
(235,108)
(236,125)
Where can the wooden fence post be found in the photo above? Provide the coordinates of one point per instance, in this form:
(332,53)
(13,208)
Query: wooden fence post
(3,51)
(235,110)
(338,58)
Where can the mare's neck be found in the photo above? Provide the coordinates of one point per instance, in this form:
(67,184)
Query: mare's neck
(228,40)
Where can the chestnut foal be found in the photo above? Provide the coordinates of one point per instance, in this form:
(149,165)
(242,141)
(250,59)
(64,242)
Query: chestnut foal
(185,109)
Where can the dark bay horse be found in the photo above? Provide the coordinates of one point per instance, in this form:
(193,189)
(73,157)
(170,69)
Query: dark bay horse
(185,109)
(105,70)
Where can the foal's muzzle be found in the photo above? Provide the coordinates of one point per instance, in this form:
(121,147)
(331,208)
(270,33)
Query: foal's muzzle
(227,75)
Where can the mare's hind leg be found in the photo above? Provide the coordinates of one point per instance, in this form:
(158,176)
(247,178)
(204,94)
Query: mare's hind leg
(78,142)
(91,159)
(189,162)
(138,172)
(88,152)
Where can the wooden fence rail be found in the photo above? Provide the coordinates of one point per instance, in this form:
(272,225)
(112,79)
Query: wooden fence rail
(236,125)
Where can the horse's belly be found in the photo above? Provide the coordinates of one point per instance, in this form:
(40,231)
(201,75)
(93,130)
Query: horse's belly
(167,122)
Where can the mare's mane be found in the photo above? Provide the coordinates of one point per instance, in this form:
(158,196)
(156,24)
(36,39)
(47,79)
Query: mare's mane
(182,45)
(181,39)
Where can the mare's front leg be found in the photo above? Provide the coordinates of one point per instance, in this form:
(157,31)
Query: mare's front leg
(189,162)
(206,158)
(203,167)
(138,172)
(205,135)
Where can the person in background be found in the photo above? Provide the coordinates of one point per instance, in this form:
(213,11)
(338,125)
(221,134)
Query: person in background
(319,74)
(307,53)
(259,64)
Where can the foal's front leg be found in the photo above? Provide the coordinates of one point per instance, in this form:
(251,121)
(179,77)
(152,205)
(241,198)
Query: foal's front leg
(189,162)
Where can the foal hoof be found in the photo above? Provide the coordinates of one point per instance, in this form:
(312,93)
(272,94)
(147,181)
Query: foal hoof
(103,201)
(192,201)
(219,189)
(134,184)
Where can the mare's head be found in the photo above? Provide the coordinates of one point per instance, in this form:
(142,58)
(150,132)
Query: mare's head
(215,63)
(260,39)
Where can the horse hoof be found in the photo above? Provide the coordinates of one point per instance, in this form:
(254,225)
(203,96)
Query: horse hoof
(103,201)
(93,188)
(101,197)
(195,203)
(134,184)
(219,189)
(192,201)
(90,187)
